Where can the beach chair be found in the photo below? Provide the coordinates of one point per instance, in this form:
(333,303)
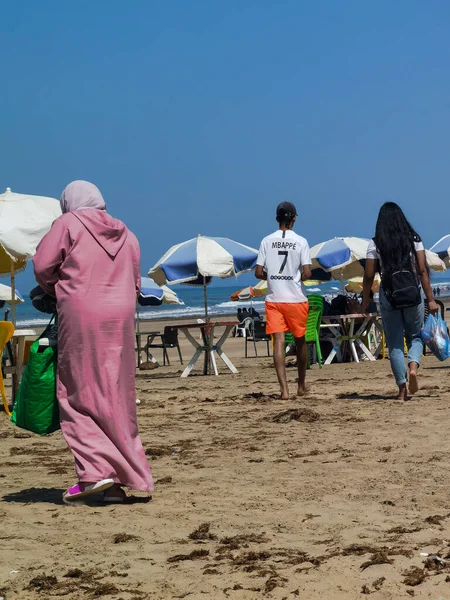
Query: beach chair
(6,333)
(313,326)
(244,327)
(169,339)
(257,333)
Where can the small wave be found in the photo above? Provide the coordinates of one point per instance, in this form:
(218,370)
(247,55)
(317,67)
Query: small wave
(235,304)
(23,323)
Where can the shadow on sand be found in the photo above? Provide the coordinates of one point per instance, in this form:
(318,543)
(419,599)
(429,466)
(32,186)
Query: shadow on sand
(373,397)
(54,496)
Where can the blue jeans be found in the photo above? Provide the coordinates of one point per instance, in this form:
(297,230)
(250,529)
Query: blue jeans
(399,324)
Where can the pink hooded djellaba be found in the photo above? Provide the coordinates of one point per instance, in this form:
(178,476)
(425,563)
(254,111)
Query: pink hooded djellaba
(90,262)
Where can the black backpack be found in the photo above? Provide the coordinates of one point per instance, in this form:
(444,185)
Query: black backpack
(402,288)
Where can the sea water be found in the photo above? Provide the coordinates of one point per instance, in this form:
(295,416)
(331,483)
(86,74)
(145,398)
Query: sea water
(219,302)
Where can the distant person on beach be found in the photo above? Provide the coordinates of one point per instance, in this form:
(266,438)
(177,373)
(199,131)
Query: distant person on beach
(254,314)
(284,260)
(398,254)
(90,262)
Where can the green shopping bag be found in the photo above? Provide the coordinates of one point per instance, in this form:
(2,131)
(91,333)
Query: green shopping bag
(36,407)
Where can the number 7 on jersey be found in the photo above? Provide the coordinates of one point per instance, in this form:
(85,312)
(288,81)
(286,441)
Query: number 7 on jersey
(283,264)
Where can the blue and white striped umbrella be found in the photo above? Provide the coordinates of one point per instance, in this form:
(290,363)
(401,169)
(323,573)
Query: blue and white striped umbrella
(196,261)
(203,257)
(442,249)
(152,294)
(340,258)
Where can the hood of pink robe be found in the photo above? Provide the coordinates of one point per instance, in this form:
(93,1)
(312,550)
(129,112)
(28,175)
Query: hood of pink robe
(110,233)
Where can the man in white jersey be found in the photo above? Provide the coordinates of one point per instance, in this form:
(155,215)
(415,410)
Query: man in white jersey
(284,260)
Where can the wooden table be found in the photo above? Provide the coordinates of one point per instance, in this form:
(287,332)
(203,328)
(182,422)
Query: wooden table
(345,328)
(208,346)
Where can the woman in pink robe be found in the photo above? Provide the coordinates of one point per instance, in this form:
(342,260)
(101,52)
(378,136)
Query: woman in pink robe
(90,262)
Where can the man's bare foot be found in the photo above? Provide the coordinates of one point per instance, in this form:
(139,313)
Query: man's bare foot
(284,393)
(302,390)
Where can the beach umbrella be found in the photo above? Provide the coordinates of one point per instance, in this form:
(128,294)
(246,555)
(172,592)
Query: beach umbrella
(6,295)
(435,261)
(24,220)
(355,285)
(340,258)
(243,294)
(197,261)
(260,289)
(152,294)
(250,292)
(442,249)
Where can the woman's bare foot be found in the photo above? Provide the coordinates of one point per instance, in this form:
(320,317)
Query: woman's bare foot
(402,392)
(413,381)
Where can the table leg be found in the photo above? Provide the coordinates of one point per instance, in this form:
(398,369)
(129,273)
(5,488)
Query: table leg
(192,362)
(221,353)
(366,351)
(378,326)
(213,362)
(227,361)
(207,359)
(198,351)
(336,351)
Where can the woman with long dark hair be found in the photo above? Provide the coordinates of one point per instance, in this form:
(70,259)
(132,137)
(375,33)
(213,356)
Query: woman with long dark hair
(398,254)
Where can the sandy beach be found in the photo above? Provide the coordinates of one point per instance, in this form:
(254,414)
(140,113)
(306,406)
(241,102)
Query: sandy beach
(333,496)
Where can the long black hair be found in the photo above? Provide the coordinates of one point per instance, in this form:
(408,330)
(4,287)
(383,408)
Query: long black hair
(394,239)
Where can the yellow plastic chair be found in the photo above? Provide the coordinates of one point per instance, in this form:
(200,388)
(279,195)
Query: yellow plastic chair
(6,333)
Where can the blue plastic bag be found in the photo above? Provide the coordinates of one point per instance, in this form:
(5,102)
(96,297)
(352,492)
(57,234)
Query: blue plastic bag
(435,335)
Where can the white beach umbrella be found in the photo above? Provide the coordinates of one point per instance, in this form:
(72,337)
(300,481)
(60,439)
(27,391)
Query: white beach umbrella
(24,220)
(196,261)
(6,295)
(342,258)
(435,262)
(442,249)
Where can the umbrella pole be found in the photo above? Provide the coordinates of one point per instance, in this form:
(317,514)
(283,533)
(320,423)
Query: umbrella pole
(13,293)
(206,333)
(205,299)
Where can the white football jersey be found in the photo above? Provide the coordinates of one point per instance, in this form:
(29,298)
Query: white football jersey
(283,254)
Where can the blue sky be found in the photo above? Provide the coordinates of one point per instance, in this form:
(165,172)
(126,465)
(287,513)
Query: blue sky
(200,116)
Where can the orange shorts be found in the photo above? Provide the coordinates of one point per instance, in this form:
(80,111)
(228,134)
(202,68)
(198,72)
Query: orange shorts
(285,316)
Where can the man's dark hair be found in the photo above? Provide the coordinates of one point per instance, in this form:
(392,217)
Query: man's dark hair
(285,219)
(286,212)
